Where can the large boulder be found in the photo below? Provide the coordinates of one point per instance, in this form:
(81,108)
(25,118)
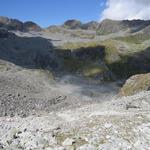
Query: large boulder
(136,84)
(31,26)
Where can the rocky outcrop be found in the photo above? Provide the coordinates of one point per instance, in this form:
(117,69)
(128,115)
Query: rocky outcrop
(136,84)
(11,24)
(31,26)
(72,24)
(14,24)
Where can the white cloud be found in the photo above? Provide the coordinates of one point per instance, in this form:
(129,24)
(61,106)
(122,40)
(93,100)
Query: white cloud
(126,9)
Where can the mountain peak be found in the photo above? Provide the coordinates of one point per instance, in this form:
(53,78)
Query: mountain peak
(15,24)
(72,24)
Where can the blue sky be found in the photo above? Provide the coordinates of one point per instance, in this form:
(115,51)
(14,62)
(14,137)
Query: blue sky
(48,12)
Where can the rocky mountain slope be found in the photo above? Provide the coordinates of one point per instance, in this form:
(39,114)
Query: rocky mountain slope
(110,26)
(62,87)
(14,24)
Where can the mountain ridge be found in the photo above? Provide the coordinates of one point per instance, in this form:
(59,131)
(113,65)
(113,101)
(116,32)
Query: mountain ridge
(104,27)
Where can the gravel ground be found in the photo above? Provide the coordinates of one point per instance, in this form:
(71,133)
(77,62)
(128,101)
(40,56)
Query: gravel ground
(27,91)
(40,113)
(101,126)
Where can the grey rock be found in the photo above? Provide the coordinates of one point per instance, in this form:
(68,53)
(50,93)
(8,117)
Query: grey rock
(31,26)
(72,24)
(87,147)
(68,142)
(92,25)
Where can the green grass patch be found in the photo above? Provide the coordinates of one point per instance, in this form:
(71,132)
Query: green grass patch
(86,68)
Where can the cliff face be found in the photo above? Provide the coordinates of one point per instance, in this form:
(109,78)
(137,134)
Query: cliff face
(33,52)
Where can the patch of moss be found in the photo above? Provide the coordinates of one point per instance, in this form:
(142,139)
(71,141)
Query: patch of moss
(92,70)
(86,68)
(73,65)
(111,51)
(2,67)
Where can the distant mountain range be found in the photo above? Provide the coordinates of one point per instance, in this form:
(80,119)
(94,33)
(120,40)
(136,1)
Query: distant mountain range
(105,27)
